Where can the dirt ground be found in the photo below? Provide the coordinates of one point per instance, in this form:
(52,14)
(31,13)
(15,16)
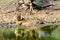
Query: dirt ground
(51,14)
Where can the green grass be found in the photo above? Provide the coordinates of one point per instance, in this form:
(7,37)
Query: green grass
(56,33)
(27,36)
(2,30)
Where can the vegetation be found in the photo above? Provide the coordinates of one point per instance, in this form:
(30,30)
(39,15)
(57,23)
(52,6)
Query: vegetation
(35,34)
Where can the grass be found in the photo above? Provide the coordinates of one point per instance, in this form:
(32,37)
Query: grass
(54,34)
(2,30)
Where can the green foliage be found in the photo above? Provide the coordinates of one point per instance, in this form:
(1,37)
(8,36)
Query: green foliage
(56,33)
(49,28)
(27,34)
(9,34)
(38,2)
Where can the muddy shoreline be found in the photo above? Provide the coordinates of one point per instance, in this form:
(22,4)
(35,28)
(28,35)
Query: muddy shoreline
(7,25)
